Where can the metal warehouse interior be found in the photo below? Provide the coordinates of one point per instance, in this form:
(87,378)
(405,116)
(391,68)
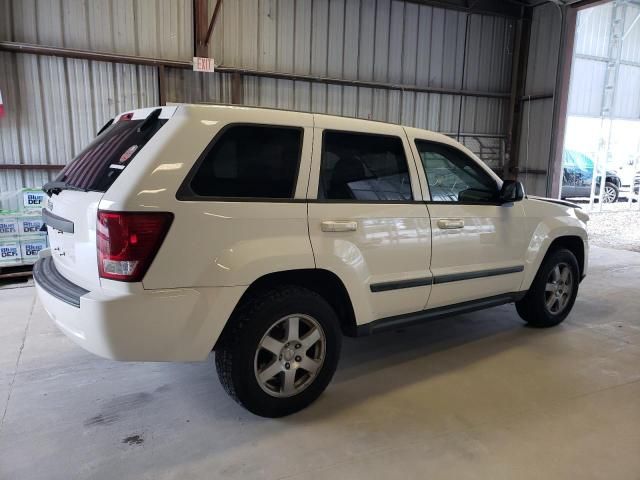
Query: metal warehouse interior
(443,66)
(485,73)
(518,82)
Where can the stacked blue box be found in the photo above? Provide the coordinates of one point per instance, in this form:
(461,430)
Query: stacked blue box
(21,234)
(10,253)
(32,238)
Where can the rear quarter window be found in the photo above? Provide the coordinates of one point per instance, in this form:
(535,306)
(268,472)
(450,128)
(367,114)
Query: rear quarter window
(247,161)
(97,166)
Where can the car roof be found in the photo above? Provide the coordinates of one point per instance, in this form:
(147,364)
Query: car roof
(353,121)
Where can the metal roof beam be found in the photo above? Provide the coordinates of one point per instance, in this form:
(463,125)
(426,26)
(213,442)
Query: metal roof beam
(503,8)
(119,58)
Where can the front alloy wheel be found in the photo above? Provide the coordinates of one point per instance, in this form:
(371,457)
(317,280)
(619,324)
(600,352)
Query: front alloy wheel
(553,290)
(558,288)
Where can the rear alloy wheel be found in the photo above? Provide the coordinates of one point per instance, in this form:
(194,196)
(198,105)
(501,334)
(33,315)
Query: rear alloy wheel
(289,355)
(610,194)
(553,290)
(279,351)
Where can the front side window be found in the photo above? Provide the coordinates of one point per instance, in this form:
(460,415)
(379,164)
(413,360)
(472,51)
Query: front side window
(250,161)
(363,167)
(454,177)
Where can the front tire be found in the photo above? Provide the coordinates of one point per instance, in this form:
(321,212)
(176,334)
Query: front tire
(553,290)
(280,351)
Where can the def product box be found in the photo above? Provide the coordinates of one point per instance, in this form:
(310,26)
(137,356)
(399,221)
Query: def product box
(21,235)
(33,199)
(30,225)
(30,246)
(10,252)
(8,225)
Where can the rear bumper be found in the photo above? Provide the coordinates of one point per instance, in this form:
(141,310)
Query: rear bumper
(48,278)
(155,325)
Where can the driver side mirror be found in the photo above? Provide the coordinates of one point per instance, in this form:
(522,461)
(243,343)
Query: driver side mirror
(511,191)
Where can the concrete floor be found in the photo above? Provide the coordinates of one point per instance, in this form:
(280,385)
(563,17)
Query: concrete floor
(476,396)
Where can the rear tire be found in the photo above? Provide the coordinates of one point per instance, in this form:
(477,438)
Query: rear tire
(553,290)
(280,351)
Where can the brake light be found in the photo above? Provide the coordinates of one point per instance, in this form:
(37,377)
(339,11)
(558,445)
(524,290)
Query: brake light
(128,242)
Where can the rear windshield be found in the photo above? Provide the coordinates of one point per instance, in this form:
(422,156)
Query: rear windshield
(99,164)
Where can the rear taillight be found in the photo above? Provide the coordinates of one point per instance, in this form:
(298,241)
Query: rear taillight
(128,242)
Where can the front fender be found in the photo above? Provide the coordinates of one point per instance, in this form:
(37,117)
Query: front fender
(545,232)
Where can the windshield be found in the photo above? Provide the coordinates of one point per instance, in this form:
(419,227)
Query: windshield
(100,163)
(577,160)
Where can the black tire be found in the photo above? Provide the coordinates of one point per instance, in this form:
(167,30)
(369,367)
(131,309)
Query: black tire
(236,351)
(614,187)
(532,308)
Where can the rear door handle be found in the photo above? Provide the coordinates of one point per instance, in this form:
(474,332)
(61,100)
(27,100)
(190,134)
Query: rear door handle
(450,223)
(339,226)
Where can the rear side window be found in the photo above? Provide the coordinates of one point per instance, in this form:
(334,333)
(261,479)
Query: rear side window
(100,163)
(250,161)
(363,167)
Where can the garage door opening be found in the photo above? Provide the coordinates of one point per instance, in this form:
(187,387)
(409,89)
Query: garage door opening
(601,154)
(601,151)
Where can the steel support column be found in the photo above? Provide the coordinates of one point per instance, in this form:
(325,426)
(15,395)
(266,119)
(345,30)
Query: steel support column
(522,40)
(200,27)
(212,23)
(561,100)
(237,94)
(162,85)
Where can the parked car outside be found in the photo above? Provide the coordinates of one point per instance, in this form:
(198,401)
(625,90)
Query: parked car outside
(577,175)
(267,235)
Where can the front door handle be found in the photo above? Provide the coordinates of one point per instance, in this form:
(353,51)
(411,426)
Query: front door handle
(450,223)
(339,226)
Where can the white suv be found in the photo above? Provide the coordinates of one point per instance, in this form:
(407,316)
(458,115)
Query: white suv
(266,235)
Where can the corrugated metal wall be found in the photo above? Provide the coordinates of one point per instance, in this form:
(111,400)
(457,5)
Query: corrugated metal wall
(592,31)
(384,41)
(186,86)
(591,58)
(631,44)
(146,28)
(54,105)
(586,87)
(537,115)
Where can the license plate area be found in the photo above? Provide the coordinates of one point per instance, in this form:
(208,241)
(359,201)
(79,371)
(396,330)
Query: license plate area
(62,246)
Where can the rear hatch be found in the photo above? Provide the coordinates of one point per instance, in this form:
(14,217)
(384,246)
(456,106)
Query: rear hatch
(71,210)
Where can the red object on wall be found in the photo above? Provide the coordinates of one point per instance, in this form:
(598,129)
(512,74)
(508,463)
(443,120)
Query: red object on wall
(1,106)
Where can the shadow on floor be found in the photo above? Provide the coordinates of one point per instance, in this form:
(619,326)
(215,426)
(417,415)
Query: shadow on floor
(389,361)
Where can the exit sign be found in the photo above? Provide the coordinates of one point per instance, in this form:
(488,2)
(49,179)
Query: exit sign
(203,64)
